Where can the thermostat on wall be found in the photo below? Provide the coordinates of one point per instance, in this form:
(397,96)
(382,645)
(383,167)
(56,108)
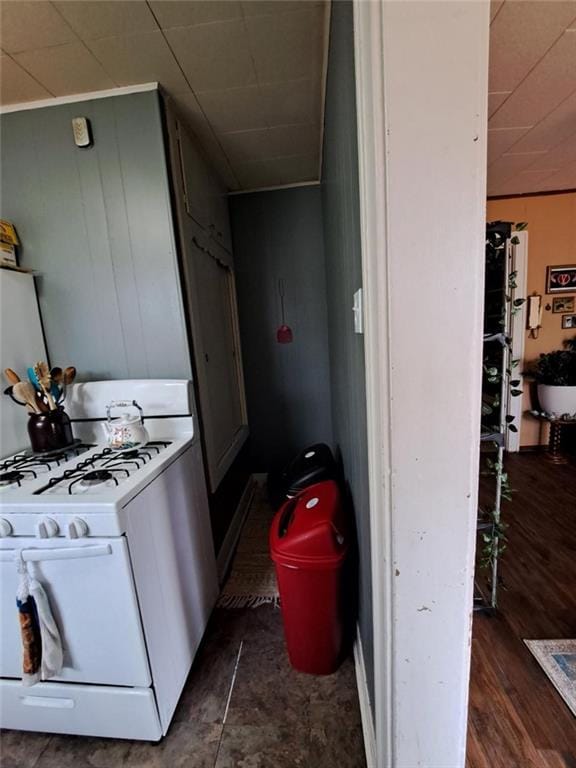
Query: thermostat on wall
(82,132)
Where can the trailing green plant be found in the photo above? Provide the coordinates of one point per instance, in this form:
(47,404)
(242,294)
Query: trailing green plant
(557,368)
(494,538)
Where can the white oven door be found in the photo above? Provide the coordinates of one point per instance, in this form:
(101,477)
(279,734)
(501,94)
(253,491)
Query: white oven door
(93,599)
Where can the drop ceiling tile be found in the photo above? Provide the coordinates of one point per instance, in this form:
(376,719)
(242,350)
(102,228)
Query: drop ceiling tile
(191,114)
(214,56)
(520,36)
(141,58)
(265,7)
(291,170)
(245,146)
(510,165)
(65,69)
(237,109)
(564,178)
(29,25)
(526,181)
(257,174)
(543,89)
(92,19)
(303,140)
(495,100)
(175,13)
(289,103)
(286,46)
(17,85)
(502,139)
(560,156)
(557,126)
(495,6)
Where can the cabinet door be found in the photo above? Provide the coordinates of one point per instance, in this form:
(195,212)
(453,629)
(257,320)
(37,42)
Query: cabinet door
(219,220)
(217,362)
(195,180)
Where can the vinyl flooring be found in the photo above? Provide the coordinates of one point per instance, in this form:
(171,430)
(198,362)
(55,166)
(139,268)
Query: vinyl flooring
(243,707)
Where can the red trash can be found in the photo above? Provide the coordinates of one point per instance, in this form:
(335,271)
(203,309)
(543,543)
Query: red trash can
(308,544)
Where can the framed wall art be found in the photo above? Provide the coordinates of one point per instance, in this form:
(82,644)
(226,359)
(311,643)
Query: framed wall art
(561,279)
(568,322)
(562,304)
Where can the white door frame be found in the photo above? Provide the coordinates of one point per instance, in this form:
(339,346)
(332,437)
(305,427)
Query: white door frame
(372,184)
(416,721)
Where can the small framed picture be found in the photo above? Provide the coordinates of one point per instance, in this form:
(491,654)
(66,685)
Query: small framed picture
(568,322)
(561,279)
(561,304)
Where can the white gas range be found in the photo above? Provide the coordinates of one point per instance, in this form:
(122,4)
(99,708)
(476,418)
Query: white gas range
(121,542)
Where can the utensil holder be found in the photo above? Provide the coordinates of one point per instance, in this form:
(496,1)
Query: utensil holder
(50,431)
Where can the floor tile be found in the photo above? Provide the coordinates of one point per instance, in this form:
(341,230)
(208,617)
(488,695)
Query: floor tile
(336,740)
(264,746)
(83,751)
(22,750)
(187,745)
(206,691)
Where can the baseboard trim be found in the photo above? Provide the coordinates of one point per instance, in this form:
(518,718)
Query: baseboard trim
(228,547)
(364,699)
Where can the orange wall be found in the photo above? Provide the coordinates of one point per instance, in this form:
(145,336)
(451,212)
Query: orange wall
(551,240)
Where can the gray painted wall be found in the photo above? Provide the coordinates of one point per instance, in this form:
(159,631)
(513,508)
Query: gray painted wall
(344,276)
(96,224)
(279,235)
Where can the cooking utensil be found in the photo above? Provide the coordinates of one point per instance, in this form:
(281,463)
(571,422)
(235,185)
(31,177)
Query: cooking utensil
(10,392)
(24,392)
(11,376)
(41,402)
(57,375)
(69,375)
(42,373)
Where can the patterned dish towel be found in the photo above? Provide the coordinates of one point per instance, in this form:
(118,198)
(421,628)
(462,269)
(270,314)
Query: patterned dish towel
(42,655)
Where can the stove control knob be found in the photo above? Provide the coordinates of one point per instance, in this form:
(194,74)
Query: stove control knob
(5,528)
(47,528)
(77,528)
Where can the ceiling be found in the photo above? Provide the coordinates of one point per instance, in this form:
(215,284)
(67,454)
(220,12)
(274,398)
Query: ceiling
(247,76)
(532,97)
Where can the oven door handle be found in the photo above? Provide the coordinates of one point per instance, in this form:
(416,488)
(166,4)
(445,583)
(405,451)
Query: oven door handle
(65,553)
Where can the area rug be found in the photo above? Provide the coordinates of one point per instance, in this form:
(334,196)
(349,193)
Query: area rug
(558,659)
(252,580)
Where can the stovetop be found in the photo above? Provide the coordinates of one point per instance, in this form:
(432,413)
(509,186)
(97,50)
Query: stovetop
(83,475)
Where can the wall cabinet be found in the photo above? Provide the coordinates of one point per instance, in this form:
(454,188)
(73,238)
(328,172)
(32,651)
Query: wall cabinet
(209,286)
(205,198)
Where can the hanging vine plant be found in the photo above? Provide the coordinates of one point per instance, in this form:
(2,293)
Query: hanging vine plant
(499,383)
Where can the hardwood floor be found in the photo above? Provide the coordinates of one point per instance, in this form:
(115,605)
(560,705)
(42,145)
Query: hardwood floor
(516,717)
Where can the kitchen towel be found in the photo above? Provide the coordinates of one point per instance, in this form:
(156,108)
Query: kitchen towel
(42,654)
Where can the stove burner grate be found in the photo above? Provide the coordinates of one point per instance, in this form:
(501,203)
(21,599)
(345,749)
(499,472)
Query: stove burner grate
(96,477)
(9,478)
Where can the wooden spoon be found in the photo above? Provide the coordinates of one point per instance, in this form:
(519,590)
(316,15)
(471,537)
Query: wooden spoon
(43,375)
(11,375)
(69,374)
(57,375)
(25,392)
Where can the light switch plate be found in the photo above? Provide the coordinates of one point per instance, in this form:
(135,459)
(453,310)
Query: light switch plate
(358,310)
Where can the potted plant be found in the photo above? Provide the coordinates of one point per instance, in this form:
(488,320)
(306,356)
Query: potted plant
(555,375)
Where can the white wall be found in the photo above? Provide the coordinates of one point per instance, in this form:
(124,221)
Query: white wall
(423,161)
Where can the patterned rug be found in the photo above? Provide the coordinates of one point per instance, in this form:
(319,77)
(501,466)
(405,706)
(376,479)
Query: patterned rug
(252,580)
(558,659)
